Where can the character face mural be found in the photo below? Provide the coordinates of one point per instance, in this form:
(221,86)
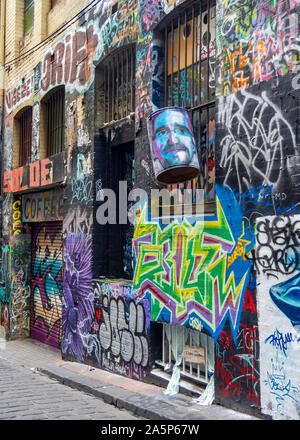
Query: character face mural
(173,143)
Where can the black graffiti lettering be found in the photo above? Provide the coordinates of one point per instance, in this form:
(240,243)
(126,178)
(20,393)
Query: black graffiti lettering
(278,246)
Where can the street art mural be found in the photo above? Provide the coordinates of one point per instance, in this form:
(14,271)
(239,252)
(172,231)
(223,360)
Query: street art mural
(122,326)
(20,286)
(260,41)
(257,141)
(194,271)
(78,300)
(17,217)
(237,372)
(46,283)
(70,61)
(14,288)
(5,286)
(257,45)
(277,258)
(234,274)
(15,261)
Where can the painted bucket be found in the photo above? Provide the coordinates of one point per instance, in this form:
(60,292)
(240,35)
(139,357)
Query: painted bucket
(172,144)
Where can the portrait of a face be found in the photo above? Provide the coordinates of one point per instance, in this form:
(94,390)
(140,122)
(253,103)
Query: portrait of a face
(173,142)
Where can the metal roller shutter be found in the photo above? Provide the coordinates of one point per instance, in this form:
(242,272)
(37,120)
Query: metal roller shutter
(46,283)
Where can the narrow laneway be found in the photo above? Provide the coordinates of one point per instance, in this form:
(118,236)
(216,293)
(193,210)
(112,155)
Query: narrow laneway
(29,395)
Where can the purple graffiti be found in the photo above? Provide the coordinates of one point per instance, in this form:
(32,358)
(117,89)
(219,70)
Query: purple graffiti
(78,302)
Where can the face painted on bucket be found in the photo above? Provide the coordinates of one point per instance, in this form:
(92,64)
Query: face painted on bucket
(173,141)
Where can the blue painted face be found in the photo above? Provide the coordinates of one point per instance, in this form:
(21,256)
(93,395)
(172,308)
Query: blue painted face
(173,142)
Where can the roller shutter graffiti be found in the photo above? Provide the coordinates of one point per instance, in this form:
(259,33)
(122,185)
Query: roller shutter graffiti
(46,284)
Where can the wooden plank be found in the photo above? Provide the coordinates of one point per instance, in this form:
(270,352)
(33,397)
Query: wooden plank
(196,355)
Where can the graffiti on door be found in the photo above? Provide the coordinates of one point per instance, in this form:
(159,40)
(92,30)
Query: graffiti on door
(46,301)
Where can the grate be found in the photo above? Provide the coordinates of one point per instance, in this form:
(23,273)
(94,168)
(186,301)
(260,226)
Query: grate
(118,85)
(25,121)
(192,338)
(55,103)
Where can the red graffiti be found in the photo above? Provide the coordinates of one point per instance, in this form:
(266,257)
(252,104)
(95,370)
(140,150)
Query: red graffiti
(243,382)
(71,59)
(40,174)
(246,340)
(248,302)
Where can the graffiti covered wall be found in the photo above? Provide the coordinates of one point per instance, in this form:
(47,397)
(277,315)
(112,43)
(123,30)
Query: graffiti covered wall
(277,260)
(234,274)
(194,273)
(257,157)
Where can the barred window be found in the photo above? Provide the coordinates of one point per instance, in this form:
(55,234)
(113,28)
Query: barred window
(53,3)
(28,15)
(54,103)
(189,81)
(25,135)
(115,86)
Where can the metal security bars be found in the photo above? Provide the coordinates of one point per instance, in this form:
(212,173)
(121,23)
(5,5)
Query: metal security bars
(171,341)
(25,124)
(190,50)
(55,104)
(119,85)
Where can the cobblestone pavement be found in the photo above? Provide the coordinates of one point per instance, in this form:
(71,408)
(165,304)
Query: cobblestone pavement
(75,380)
(26,394)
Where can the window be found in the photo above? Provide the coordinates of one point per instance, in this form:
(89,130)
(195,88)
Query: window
(24,128)
(115,86)
(54,109)
(189,81)
(28,15)
(114,158)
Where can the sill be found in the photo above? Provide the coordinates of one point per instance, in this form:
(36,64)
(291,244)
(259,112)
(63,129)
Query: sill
(26,40)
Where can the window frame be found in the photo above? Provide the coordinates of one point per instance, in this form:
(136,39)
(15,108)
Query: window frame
(24,121)
(28,16)
(54,105)
(117,103)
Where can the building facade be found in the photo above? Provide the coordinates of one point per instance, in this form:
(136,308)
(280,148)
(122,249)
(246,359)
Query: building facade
(211,298)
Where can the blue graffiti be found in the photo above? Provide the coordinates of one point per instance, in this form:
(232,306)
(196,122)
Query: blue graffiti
(280,386)
(281,341)
(286,296)
(261,197)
